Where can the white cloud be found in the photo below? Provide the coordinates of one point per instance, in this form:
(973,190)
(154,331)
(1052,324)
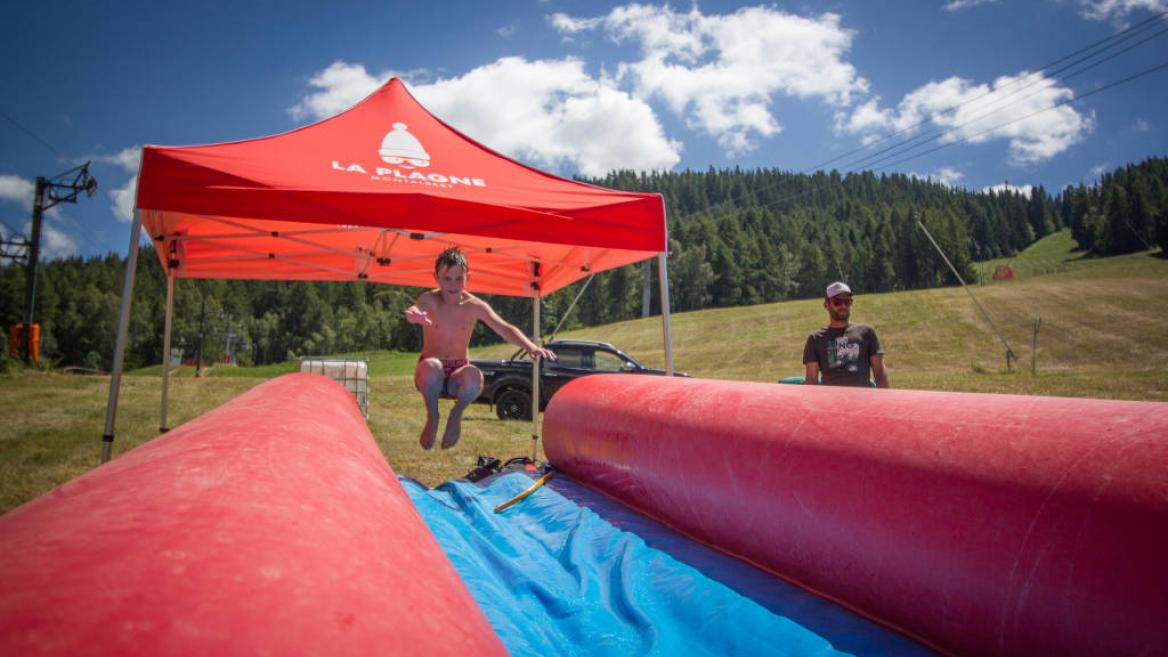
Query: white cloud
(126,159)
(1001,188)
(945,175)
(721,72)
(1142,125)
(17,190)
(340,86)
(1100,169)
(55,243)
(506,31)
(122,200)
(566,23)
(553,114)
(958,5)
(1118,11)
(21,191)
(548,113)
(1021,109)
(949,176)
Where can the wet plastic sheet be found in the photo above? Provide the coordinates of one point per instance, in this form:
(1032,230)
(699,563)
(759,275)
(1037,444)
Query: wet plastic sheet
(571,572)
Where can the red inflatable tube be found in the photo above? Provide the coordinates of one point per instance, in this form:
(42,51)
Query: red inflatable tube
(270,526)
(980,524)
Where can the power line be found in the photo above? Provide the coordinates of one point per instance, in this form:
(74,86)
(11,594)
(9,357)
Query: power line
(11,232)
(924,138)
(82,227)
(1121,36)
(1022,118)
(32,134)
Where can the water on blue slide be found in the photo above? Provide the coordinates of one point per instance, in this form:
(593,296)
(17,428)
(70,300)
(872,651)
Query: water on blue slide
(568,571)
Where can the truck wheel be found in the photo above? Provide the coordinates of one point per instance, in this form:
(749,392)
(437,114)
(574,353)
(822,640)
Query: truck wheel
(513,404)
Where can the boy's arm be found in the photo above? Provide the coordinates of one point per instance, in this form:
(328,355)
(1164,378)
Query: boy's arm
(418,313)
(510,333)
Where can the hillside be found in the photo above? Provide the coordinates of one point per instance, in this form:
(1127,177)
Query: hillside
(1102,331)
(1102,335)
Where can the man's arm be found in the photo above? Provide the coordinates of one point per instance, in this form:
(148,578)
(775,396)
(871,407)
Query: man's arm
(811,378)
(510,333)
(878,371)
(876,360)
(811,362)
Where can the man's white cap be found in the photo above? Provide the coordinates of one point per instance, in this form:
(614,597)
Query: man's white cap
(837,288)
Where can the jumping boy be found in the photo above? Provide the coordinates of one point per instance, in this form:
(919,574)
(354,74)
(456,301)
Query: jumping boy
(448,315)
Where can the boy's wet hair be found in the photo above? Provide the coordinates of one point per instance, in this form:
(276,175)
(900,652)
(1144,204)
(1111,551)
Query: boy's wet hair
(449,258)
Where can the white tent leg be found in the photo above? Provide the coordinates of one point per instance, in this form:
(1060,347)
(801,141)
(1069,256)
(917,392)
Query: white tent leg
(111,409)
(162,426)
(535,370)
(667,326)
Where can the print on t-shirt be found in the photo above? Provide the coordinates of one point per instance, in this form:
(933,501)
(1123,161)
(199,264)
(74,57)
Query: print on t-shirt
(841,352)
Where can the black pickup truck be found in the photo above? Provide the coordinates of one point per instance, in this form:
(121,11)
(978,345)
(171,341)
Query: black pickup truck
(507,383)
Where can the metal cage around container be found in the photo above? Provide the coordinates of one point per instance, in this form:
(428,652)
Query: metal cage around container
(353,373)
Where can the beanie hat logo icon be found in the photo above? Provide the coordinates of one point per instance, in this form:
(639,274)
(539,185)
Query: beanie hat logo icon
(403,149)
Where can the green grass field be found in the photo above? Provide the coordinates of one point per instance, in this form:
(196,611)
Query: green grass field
(1102,334)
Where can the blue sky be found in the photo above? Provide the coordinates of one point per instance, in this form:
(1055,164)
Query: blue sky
(586,87)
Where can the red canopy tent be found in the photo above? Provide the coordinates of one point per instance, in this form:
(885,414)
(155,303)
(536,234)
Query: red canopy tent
(374,194)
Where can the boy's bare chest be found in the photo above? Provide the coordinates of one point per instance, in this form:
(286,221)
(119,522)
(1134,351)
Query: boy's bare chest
(454,317)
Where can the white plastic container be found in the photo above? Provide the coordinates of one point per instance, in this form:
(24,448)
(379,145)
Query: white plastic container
(353,373)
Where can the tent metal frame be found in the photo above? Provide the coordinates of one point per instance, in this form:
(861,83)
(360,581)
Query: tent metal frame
(364,254)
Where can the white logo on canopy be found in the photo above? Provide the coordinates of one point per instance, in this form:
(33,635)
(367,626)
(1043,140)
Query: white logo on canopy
(403,149)
(405,154)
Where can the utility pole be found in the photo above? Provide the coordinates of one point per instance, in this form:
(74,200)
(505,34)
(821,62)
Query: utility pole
(1034,345)
(229,339)
(646,281)
(30,276)
(13,247)
(63,188)
(202,317)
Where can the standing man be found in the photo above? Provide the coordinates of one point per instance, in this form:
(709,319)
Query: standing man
(448,316)
(843,353)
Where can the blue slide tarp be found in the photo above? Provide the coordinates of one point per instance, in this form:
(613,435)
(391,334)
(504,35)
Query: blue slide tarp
(568,571)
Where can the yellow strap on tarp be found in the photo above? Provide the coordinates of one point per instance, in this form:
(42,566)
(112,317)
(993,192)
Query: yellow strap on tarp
(530,489)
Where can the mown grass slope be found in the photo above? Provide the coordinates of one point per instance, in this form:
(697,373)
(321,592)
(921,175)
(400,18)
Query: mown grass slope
(1102,334)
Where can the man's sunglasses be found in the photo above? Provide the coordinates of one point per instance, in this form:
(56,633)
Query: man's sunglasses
(841,302)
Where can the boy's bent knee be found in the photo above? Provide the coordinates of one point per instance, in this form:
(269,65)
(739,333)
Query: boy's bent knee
(428,371)
(469,371)
(428,366)
(468,382)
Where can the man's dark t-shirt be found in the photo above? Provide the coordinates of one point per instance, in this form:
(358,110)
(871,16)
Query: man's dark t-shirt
(843,354)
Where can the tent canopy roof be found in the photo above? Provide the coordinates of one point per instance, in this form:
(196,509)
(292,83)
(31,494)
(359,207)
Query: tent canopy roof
(375,193)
